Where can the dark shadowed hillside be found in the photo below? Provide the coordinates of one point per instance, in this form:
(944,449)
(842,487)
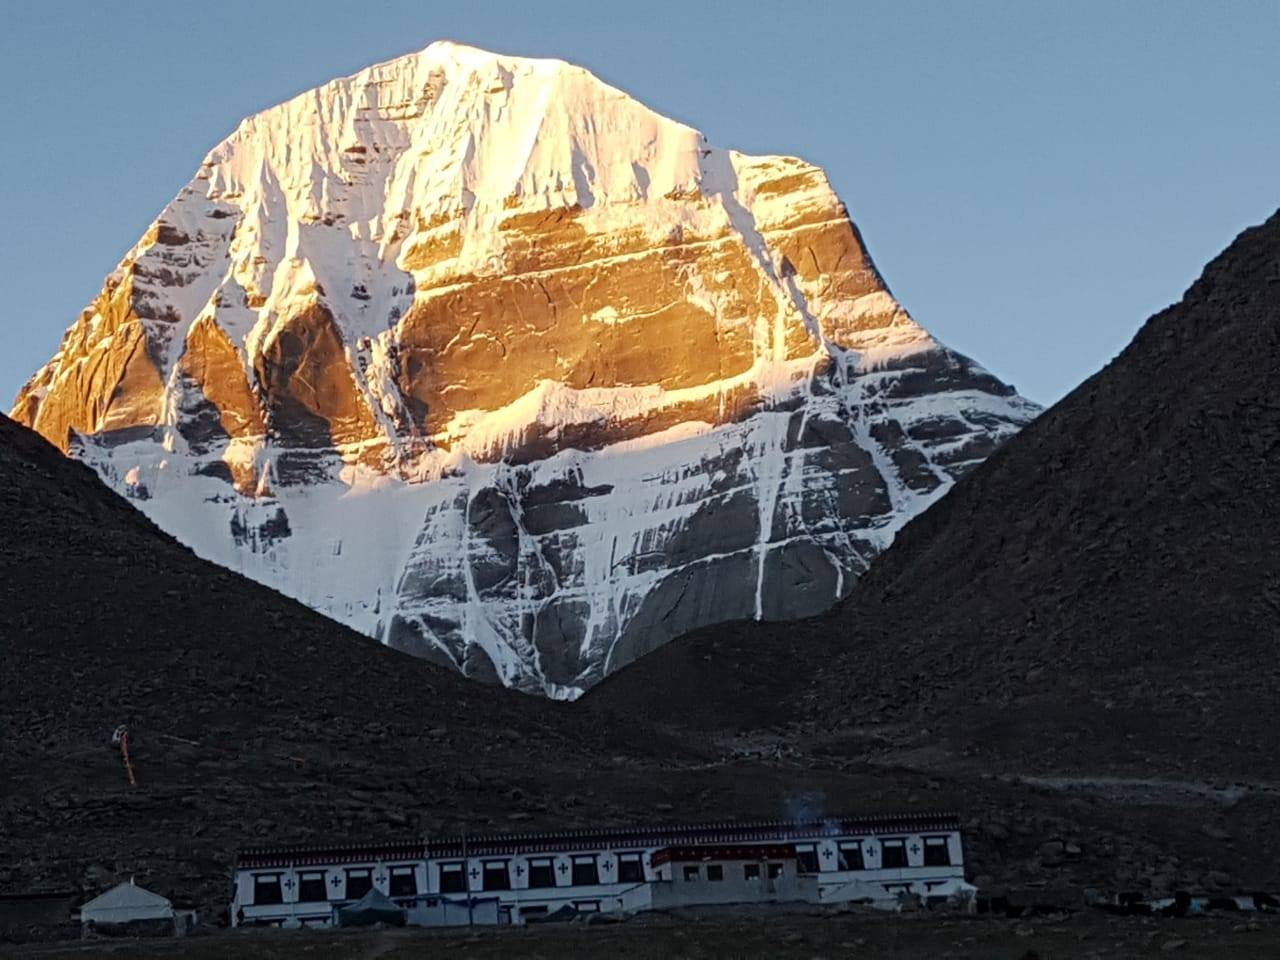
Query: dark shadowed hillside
(1100,599)
(251,716)
(1106,586)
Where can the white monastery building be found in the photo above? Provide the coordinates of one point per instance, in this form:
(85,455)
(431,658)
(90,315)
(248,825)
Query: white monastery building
(522,878)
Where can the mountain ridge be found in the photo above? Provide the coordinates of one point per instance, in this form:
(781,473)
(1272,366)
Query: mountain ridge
(485,359)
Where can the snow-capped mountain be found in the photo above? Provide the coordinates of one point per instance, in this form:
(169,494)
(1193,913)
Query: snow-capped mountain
(484,358)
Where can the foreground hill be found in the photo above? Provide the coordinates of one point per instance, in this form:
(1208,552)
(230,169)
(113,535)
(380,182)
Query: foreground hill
(484,358)
(251,716)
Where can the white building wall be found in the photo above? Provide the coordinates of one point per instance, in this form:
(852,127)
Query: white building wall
(610,893)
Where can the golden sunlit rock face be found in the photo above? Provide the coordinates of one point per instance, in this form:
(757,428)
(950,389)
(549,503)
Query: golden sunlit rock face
(487,359)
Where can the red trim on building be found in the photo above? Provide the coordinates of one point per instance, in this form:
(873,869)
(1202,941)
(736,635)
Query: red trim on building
(676,835)
(747,853)
(327,855)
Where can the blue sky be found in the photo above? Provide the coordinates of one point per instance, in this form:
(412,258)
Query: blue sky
(1033,179)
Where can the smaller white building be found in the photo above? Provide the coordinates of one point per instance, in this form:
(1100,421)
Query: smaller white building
(128,908)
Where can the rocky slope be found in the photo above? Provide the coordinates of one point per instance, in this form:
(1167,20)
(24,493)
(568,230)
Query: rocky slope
(483,358)
(1100,596)
(251,716)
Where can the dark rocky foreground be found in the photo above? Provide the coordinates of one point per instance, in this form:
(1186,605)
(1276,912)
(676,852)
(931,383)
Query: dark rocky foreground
(1063,937)
(251,717)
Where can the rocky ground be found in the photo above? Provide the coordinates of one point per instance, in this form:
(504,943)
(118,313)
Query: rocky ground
(1077,937)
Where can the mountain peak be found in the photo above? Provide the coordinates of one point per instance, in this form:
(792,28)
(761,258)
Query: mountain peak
(458,127)
(489,360)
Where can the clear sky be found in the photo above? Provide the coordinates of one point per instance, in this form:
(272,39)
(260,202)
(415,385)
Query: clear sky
(1033,178)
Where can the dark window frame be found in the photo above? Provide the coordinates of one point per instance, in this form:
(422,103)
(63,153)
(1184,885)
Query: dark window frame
(489,871)
(306,878)
(364,874)
(715,872)
(940,844)
(627,860)
(401,872)
(586,870)
(898,846)
(750,871)
(807,858)
(451,869)
(774,871)
(536,866)
(267,881)
(846,847)
(692,872)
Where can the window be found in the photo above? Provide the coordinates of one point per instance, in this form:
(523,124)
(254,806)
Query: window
(587,906)
(630,868)
(533,911)
(807,858)
(893,853)
(715,872)
(851,856)
(585,872)
(496,876)
(541,873)
(775,871)
(311,888)
(359,882)
(692,873)
(404,882)
(936,852)
(751,871)
(266,889)
(453,878)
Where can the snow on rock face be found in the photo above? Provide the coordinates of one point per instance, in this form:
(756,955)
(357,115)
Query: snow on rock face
(486,359)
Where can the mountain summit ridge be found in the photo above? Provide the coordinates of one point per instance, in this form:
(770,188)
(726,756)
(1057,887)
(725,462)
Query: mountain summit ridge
(486,359)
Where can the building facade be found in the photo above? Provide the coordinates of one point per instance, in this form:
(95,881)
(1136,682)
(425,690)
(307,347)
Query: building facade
(524,878)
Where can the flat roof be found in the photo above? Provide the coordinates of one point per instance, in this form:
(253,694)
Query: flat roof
(620,838)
